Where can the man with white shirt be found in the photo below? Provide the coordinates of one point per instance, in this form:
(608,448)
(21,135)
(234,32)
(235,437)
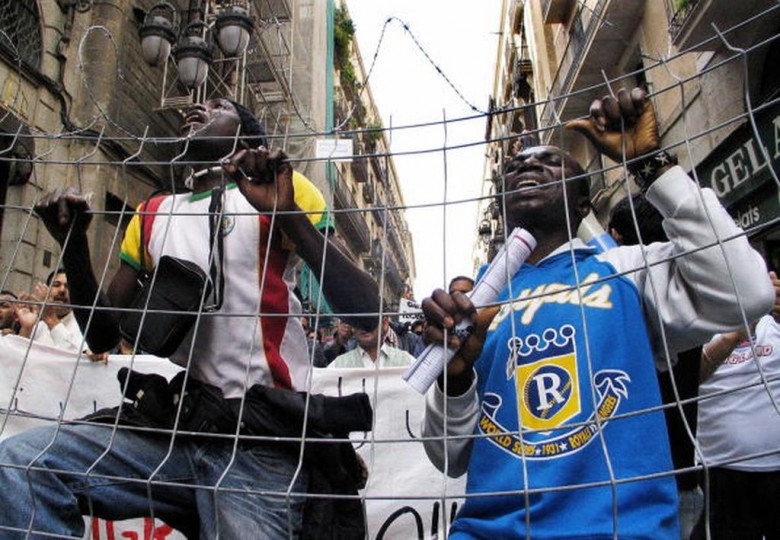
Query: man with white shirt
(58,326)
(739,429)
(369,353)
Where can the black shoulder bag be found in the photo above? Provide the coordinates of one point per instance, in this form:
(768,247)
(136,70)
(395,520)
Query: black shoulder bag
(167,305)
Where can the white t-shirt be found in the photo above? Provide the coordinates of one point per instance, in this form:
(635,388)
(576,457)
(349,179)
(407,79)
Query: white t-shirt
(65,335)
(256,336)
(744,421)
(358,358)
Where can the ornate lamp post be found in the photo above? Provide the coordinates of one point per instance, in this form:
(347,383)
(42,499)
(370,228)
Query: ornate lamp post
(231,28)
(157,34)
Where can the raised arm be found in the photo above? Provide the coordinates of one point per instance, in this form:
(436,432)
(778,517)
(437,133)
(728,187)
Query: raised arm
(694,287)
(65,213)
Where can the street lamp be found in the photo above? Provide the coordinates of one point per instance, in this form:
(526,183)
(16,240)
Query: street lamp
(193,55)
(157,34)
(233,27)
(485,230)
(230,26)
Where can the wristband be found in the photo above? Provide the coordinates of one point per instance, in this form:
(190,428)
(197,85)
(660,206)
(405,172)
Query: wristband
(645,170)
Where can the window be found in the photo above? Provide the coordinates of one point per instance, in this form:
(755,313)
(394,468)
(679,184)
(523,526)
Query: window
(118,213)
(20,32)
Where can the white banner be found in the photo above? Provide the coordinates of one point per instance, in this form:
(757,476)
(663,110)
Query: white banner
(38,382)
(406,497)
(409,311)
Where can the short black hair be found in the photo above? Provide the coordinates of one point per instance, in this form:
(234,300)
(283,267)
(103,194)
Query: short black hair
(6,292)
(460,278)
(649,221)
(53,273)
(250,126)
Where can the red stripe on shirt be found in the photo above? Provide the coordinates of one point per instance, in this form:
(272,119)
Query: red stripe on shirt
(274,300)
(149,209)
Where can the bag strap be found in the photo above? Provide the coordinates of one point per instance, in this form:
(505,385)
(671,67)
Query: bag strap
(143,273)
(216,248)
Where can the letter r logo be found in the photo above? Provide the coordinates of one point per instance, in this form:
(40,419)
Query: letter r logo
(548,391)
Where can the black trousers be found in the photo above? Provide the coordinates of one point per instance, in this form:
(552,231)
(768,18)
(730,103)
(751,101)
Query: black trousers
(743,506)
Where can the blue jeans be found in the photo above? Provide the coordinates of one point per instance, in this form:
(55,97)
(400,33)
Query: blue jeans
(48,479)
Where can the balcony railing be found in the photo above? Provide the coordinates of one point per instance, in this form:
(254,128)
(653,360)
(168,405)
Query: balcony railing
(585,25)
(350,222)
(359,169)
(273,10)
(679,11)
(380,172)
(556,11)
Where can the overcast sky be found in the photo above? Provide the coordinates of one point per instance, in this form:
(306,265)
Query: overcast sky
(461,38)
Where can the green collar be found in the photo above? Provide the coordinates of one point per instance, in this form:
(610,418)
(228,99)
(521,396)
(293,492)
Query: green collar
(204,194)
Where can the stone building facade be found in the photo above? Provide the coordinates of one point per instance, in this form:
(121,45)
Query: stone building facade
(555,56)
(80,107)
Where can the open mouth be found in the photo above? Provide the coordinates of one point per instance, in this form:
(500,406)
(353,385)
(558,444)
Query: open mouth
(193,121)
(524,184)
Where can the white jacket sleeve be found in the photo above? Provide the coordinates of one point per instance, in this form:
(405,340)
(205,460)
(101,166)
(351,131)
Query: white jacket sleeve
(450,455)
(693,286)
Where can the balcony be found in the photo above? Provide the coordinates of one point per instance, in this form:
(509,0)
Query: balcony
(380,172)
(557,11)
(690,21)
(393,275)
(384,261)
(380,212)
(368,193)
(350,221)
(273,10)
(396,243)
(340,110)
(359,170)
(591,47)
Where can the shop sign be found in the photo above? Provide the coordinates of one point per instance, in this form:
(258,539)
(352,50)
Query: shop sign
(738,168)
(758,208)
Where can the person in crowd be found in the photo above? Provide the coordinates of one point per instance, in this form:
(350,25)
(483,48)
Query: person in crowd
(325,331)
(739,430)
(343,340)
(626,231)
(373,350)
(316,352)
(57,326)
(408,314)
(9,319)
(558,381)
(463,284)
(679,379)
(417,327)
(392,337)
(203,486)
(408,340)
(48,319)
